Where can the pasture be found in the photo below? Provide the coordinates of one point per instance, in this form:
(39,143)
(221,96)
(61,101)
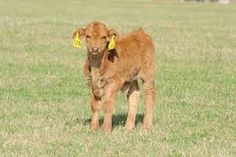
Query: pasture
(45,102)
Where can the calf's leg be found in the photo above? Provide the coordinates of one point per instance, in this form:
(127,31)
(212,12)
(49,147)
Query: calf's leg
(96,105)
(133,98)
(108,104)
(149,93)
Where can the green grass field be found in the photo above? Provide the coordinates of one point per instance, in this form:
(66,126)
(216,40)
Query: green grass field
(45,103)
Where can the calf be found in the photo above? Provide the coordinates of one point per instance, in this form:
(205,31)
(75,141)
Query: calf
(109,69)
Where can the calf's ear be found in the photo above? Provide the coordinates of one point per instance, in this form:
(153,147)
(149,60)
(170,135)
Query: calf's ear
(80,32)
(111,33)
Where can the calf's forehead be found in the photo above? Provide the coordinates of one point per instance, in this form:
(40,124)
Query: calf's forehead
(96,29)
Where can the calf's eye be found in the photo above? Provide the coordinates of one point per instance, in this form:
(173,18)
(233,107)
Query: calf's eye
(104,37)
(88,37)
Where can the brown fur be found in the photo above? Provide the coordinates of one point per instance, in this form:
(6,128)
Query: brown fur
(107,72)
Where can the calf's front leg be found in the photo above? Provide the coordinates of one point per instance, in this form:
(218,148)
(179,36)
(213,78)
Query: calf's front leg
(133,98)
(96,105)
(108,105)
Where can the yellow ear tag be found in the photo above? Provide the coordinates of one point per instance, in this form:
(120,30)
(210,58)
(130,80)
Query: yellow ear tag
(112,43)
(77,42)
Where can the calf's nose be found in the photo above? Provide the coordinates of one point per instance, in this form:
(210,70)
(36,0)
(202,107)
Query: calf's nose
(94,48)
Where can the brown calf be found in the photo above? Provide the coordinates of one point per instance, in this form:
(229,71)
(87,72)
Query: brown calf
(108,71)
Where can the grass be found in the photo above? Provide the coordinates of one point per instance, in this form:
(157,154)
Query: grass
(45,103)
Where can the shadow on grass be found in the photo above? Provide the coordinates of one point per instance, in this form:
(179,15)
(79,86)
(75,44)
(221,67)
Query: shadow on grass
(117,120)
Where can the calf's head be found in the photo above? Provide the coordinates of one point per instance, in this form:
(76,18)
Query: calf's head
(97,37)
